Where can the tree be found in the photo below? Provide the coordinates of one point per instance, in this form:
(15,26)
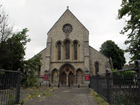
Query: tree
(5,33)
(13,50)
(110,49)
(31,68)
(5,28)
(131,8)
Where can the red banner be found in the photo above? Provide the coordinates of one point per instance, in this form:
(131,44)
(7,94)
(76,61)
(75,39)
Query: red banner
(46,77)
(87,77)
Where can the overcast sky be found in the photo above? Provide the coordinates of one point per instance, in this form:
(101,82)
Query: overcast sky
(98,16)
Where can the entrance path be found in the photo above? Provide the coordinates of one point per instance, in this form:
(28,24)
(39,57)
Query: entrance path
(66,96)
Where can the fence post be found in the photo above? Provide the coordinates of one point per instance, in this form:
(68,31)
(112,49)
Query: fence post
(90,83)
(137,69)
(18,87)
(108,85)
(98,83)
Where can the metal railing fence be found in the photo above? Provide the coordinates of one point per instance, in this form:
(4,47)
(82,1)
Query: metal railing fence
(9,87)
(120,87)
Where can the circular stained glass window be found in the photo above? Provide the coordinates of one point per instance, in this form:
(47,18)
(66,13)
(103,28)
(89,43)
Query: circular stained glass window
(67,28)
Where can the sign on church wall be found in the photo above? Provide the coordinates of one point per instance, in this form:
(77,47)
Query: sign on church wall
(87,77)
(46,76)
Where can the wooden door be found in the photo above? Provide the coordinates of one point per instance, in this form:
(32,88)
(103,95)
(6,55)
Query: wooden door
(71,78)
(63,78)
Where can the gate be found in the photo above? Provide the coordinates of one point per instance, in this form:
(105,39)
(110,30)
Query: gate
(121,87)
(9,87)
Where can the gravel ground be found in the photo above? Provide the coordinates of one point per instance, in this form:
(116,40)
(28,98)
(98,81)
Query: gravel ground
(58,96)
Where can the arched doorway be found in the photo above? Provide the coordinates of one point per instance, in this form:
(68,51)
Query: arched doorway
(71,78)
(54,77)
(79,74)
(67,77)
(63,78)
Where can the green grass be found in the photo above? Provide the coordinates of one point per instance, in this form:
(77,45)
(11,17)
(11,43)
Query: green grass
(98,98)
(42,98)
(35,92)
(22,102)
(46,94)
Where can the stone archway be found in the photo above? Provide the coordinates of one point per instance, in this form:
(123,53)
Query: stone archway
(67,73)
(63,78)
(79,74)
(54,77)
(71,78)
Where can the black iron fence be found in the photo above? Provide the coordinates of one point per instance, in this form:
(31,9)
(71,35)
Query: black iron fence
(9,87)
(120,87)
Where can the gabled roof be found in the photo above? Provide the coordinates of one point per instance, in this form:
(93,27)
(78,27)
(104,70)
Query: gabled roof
(69,12)
(98,52)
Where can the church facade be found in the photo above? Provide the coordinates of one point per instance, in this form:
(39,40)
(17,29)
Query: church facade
(68,59)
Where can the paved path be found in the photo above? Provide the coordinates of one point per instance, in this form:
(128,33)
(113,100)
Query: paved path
(66,96)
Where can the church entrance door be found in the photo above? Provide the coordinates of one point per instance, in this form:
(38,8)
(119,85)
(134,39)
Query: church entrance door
(63,78)
(71,78)
(67,76)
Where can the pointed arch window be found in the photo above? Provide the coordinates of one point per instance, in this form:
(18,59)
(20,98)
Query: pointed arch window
(39,69)
(96,67)
(59,51)
(67,50)
(75,50)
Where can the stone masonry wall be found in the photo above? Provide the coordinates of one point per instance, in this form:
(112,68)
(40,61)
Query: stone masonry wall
(103,61)
(57,34)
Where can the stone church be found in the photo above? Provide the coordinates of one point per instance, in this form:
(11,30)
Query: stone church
(68,59)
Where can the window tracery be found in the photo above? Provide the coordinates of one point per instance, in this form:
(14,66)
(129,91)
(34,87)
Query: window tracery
(96,67)
(75,51)
(59,51)
(67,50)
